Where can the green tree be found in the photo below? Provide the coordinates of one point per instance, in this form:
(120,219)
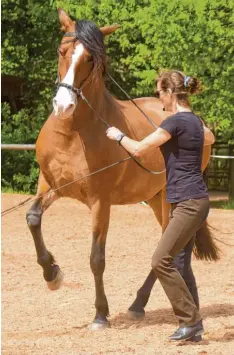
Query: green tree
(195,36)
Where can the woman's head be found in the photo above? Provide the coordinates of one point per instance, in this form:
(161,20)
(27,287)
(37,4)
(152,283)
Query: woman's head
(175,86)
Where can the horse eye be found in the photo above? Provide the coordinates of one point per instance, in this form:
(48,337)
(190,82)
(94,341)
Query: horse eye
(90,59)
(61,51)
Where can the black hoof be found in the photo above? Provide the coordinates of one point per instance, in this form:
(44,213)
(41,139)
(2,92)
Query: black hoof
(135,316)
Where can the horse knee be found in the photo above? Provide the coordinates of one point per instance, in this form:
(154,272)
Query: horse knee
(33,218)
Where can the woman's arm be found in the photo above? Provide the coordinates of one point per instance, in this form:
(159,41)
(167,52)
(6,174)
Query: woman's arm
(209,138)
(138,149)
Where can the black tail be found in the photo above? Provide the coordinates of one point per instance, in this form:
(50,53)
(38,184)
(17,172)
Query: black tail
(205,248)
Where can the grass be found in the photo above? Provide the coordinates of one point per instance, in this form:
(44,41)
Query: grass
(9,190)
(223,204)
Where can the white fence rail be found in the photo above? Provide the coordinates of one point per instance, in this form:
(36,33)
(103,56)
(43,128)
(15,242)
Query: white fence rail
(18,146)
(33,146)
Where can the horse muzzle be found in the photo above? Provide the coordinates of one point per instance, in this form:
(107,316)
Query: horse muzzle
(64,105)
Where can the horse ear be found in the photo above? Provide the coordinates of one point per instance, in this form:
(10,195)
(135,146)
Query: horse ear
(107,30)
(64,19)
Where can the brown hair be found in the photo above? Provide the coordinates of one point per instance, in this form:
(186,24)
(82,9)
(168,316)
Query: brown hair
(180,84)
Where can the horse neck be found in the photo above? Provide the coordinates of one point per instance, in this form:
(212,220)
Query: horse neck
(104,107)
(89,109)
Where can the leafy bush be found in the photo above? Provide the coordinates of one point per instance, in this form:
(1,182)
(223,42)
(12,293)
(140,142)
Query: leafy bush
(193,36)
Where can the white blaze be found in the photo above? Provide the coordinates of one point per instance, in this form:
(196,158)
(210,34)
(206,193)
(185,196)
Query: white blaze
(65,98)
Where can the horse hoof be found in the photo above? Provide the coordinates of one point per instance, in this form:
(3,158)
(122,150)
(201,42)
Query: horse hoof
(135,316)
(57,282)
(99,326)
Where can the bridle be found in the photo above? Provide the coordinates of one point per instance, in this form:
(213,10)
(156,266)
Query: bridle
(80,94)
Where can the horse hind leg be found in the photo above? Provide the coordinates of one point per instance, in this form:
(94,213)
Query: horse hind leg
(51,272)
(161,211)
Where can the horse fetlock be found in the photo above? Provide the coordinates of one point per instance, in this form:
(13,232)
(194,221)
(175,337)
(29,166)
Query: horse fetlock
(46,261)
(136,310)
(135,316)
(102,309)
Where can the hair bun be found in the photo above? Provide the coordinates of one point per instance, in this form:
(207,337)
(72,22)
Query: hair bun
(192,84)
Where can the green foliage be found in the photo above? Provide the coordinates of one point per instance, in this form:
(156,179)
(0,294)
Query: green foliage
(225,204)
(19,168)
(195,36)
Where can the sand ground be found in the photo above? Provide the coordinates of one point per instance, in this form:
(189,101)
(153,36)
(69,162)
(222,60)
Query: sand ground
(38,321)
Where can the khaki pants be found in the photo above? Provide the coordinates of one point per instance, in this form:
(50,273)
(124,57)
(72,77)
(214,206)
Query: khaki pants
(183,265)
(186,218)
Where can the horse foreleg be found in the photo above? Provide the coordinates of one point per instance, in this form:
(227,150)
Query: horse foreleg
(51,272)
(100,223)
(161,210)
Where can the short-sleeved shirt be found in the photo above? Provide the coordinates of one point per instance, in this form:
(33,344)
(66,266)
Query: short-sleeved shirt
(183,157)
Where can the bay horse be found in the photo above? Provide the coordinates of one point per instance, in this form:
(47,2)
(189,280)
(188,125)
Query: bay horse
(72,145)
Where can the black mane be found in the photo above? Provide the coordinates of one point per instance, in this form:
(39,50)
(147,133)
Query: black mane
(93,40)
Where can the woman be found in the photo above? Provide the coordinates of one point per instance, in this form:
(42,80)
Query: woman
(181,137)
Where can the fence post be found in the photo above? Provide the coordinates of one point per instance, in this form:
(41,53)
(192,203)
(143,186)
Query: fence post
(231,185)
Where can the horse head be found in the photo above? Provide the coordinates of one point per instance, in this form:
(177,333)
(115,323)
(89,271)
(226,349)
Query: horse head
(82,59)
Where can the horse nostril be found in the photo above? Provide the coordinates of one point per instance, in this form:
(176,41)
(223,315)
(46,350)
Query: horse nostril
(58,109)
(69,107)
(55,105)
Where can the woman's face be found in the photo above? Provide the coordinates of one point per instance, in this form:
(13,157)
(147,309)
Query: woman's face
(165,97)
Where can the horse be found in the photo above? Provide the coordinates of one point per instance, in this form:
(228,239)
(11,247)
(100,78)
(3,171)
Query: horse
(72,146)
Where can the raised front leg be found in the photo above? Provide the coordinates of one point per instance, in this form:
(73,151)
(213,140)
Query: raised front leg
(51,272)
(100,223)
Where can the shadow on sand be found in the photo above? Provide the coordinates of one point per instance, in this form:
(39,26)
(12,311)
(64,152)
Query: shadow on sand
(162,316)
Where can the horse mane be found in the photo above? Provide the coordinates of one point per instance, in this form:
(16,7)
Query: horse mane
(93,40)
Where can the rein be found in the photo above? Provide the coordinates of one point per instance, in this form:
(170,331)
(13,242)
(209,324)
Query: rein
(80,94)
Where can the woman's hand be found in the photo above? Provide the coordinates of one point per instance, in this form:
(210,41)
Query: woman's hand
(136,148)
(113,133)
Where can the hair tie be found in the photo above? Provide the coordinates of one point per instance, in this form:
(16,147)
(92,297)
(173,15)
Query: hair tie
(186,80)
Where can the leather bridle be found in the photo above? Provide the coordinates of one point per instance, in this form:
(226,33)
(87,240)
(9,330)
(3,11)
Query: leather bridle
(80,94)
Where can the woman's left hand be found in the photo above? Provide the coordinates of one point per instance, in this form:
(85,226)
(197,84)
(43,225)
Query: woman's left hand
(113,133)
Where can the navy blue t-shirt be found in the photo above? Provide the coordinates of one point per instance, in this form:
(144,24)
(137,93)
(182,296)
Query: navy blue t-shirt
(183,157)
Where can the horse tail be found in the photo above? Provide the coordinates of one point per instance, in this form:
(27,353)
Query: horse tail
(205,247)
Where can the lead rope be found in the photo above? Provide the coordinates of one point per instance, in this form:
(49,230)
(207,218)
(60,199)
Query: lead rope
(31,199)
(131,99)
(80,94)
(108,126)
